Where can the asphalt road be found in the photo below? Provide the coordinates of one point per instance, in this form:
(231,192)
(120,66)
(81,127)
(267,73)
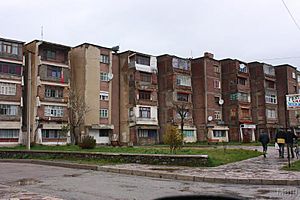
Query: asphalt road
(37,181)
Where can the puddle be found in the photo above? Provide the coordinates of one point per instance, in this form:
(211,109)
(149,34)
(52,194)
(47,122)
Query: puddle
(26,181)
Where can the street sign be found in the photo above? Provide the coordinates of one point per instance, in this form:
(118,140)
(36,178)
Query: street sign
(293,102)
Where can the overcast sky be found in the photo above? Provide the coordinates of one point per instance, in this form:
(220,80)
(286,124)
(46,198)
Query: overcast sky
(248,30)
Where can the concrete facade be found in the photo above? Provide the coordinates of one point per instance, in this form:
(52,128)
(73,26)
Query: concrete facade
(264,98)
(138,98)
(11,85)
(92,76)
(50,83)
(175,95)
(207,99)
(237,100)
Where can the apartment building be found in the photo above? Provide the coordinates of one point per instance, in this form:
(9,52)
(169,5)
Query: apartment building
(287,74)
(138,98)
(95,78)
(264,97)
(207,99)
(48,74)
(175,95)
(11,85)
(236,93)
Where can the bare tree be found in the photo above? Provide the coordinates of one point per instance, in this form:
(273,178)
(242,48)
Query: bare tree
(182,110)
(78,110)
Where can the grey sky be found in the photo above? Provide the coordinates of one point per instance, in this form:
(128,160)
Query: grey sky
(248,30)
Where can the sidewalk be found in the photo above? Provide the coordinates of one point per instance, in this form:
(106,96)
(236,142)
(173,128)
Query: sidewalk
(259,170)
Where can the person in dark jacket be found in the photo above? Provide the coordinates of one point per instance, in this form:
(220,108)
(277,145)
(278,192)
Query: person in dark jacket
(264,139)
(290,136)
(280,140)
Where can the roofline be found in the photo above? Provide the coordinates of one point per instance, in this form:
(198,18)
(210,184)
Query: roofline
(95,45)
(173,56)
(286,65)
(130,51)
(51,43)
(233,59)
(12,40)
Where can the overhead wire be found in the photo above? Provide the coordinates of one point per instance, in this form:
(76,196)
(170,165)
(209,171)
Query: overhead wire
(291,15)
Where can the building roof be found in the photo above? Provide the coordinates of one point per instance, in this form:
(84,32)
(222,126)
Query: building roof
(95,45)
(11,40)
(50,43)
(286,65)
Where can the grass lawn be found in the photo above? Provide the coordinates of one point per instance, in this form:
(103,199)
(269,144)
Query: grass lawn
(295,166)
(216,156)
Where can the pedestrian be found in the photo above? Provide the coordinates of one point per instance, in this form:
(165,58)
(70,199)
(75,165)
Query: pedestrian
(290,136)
(264,139)
(280,140)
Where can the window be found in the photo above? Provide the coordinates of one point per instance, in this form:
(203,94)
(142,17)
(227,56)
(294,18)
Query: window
(233,114)
(234,96)
(145,77)
(54,72)
(10,68)
(188,133)
(245,113)
(271,113)
(130,112)
(298,78)
(293,75)
(217,99)
(183,80)
(242,81)
(145,112)
(243,68)
(7,47)
(180,64)
(7,88)
(51,133)
(104,76)
(143,60)
(295,89)
(54,111)
(104,59)
(182,97)
(104,96)
(103,133)
(9,133)
(53,92)
(143,133)
(146,95)
(10,110)
(240,96)
(219,133)
(269,70)
(103,113)
(218,115)
(217,69)
(217,84)
(51,54)
(271,98)
(15,49)
(270,84)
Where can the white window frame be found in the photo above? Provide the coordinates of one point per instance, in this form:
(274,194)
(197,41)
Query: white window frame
(217,84)
(271,98)
(271,113)
(183,80)
(218,115)
(8,110)
(103,113)
(8,89)
(54,111)
(104,76)
(104,58)
(104,96)
(9,133)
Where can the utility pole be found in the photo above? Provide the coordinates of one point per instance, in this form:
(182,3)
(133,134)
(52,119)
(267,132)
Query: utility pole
(28,100)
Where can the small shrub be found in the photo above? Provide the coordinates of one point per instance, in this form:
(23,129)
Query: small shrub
(173,138)
(88,142)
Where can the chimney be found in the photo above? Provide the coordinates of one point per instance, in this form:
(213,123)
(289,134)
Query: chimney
(208,55)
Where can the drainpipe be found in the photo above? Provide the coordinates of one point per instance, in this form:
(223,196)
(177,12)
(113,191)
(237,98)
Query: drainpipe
(205,96)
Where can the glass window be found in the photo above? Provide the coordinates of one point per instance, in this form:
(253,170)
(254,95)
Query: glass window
(104,96)
(219,133)
(218,115)
(145,112)
(271,98)
(146,95)
(104,59)
(182,97)
(143,133)
(242,81)
(217,84)
(9,133)
(103,113)
(180,64)
(15,49)
(217,69)
(271,113)
(143,60)
(10,68)
(51,133)
(183,80)
(293,75)
(11,110)
(54,72)
(270,84)
(51,54)
(245,113)
(8,88)
(145,77)
(269,70)
(188,133)
(103,133)
(104,76)
(53,92)
(54,111)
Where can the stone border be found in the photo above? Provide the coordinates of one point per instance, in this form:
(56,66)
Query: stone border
(158,159)
(163,175)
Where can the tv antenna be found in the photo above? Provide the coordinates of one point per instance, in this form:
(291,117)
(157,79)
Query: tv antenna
(42,33)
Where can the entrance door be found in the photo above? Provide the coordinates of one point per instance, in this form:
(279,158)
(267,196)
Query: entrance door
(246,135)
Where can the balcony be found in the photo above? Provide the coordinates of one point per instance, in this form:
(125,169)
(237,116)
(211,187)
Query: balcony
(143,121)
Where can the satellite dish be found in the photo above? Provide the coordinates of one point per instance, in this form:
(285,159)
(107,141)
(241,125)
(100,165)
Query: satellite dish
(221,101)
(209,118)
(110,76)
(242,66)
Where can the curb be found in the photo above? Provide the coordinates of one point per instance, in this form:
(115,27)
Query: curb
(163,175)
